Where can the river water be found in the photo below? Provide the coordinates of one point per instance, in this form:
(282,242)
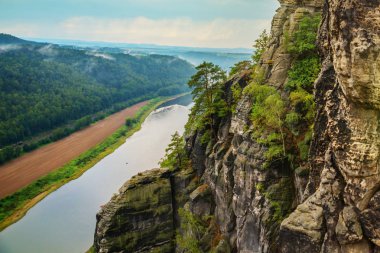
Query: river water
(64,222)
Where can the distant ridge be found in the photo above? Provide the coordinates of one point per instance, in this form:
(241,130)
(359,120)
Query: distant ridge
(10,39)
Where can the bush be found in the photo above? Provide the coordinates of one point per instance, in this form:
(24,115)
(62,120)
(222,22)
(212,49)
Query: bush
(301,78)
(303,74)
(268,119)
(304,39)
(192,230)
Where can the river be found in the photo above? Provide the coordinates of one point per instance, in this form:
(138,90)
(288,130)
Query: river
(64,222)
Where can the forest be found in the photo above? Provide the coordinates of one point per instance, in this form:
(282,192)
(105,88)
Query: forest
(45,86)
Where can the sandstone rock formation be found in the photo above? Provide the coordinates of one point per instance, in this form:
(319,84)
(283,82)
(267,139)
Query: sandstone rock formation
(143,216)
(139,218)
(330,204)
(345,154)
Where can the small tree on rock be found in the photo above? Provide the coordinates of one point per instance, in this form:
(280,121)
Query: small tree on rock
(175,156)
(207,93)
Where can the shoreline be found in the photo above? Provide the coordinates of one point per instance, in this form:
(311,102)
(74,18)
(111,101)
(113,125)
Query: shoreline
(75,168)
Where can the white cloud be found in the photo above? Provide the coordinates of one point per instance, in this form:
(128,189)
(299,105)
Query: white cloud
(178,31)
(101,55)
(48,50)
(8,47)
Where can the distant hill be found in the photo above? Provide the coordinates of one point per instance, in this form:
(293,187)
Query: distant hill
(44,86)
(224,57)
(10,39)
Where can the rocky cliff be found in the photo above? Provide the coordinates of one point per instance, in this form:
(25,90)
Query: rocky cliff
(341,213)
(233,198)
(139,218)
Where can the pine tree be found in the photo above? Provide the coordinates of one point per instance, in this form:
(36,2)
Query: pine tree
(260,46)
(207,91)
(175,156)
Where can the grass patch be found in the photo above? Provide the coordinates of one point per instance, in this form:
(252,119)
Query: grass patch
(15,206)
(91,250)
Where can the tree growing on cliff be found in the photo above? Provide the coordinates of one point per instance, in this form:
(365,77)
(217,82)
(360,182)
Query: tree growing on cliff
(304,40)
(300,84)
(192,229)
(268,119)
(207,93)
(260,46)
(239,67)
(175,156)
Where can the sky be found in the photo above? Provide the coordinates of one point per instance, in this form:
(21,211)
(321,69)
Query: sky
(195,23)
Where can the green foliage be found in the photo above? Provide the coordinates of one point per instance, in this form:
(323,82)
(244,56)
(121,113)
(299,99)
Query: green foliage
(91,250)
(260,46)
(207,93)
(260,187)
(268,119)
(240,67)
(276,118)
(129,122)
(301,78)
(292,120)
(46,87)
(175,154)
(304,145)
(303,73)
(303,41)
(303,103)
(258,75)
(237,91)
(192,230)
(279,196)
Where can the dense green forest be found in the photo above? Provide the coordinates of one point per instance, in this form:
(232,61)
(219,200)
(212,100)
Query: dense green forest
(45,86)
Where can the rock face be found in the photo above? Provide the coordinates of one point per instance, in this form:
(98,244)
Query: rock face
(139,218)
(251,202)
(345,160)
(276,61)
(330,204)
(143,216)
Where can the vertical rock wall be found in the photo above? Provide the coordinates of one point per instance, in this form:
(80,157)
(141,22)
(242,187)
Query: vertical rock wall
(336,208)
(251,201)
(342,212)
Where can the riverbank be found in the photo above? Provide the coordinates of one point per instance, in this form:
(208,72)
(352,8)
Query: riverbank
(14,207)
(26,169)
(36,142)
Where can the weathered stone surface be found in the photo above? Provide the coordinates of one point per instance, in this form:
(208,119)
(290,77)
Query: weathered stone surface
(370,219)
(346,142)
(250,201)
(276,61)
(348,229)
(201,202)
(139,218)
(143,216)
(338,211)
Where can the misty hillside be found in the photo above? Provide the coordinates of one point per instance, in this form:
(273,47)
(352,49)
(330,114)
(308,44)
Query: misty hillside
(224,57)
(10,39)
(43,86)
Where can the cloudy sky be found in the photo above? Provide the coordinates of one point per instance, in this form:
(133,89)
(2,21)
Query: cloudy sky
(199,23)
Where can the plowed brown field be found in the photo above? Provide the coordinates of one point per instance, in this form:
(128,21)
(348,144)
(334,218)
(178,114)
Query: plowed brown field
(31,166)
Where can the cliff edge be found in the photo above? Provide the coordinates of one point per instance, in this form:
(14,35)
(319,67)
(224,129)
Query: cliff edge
(248,190)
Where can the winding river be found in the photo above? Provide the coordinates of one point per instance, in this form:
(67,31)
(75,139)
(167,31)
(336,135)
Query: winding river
(64,222)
